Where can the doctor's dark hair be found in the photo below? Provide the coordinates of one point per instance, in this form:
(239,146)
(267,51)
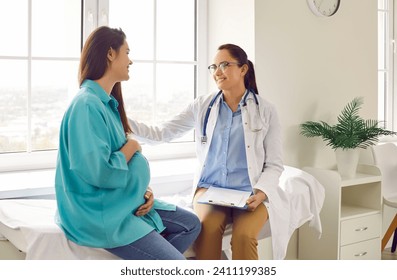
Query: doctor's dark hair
(94,62)
(241,56)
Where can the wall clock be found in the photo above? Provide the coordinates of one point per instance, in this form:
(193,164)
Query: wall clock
(324,8)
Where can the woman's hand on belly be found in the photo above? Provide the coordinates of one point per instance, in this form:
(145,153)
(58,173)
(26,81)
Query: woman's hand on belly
(145,208)
(130,148)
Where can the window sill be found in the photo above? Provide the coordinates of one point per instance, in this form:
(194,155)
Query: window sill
(168,177)
(39,160)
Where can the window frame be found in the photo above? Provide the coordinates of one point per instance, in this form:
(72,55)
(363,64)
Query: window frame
(32,160)
(391,101)
(385,94)
(387,99)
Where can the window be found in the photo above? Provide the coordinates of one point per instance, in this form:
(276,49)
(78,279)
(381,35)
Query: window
(385,71)
(162,78)
(39,66)
(38,60)
(387,103)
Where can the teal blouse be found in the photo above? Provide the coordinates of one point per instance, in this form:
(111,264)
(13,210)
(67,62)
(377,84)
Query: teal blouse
(97,191)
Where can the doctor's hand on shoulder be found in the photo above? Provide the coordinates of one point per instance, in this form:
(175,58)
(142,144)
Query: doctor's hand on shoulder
(256,199)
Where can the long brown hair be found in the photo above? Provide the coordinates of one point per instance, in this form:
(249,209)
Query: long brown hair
(241,56)
(93,62)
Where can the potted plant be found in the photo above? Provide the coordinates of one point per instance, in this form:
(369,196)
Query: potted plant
(350,133)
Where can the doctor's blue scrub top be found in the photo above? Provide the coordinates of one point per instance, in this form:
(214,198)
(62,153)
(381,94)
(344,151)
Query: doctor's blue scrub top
(97,191)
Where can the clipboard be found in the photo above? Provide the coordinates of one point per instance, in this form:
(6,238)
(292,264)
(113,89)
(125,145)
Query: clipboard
(225,197)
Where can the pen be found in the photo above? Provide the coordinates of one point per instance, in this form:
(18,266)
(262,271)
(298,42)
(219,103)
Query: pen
(221,202)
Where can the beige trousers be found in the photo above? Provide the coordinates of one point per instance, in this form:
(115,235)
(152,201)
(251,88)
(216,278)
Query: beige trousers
(246,228)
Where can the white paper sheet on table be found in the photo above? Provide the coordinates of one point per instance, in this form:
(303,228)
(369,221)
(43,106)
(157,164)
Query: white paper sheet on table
(31,228)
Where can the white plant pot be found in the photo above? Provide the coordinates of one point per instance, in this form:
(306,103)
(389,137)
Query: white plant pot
(347,161)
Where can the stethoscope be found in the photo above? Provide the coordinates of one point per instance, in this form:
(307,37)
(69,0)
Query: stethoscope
(207,114)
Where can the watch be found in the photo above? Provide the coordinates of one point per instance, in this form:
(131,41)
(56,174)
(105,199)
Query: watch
(324,8)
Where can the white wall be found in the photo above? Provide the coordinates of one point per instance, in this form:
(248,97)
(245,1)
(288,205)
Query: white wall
(311,67)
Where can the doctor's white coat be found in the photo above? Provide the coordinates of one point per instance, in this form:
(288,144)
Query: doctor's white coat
(262,135)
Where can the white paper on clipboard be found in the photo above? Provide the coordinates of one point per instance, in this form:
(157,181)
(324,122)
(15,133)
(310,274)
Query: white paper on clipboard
(224,197)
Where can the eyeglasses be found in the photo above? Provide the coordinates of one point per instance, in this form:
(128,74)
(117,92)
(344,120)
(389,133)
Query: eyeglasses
(223,65)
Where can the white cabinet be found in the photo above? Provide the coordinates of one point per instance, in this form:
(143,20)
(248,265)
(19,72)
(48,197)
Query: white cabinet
(350,218)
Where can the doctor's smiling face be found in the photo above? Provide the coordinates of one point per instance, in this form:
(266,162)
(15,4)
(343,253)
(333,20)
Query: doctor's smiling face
(227,72)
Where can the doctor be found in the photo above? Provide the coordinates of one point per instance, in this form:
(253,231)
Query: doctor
(238,147)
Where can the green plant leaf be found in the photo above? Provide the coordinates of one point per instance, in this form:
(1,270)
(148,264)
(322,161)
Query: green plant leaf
(350,132)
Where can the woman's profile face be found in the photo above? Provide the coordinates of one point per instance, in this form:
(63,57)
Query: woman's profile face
(119,66)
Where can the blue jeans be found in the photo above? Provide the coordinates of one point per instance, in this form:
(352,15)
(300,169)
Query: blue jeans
(182,229)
